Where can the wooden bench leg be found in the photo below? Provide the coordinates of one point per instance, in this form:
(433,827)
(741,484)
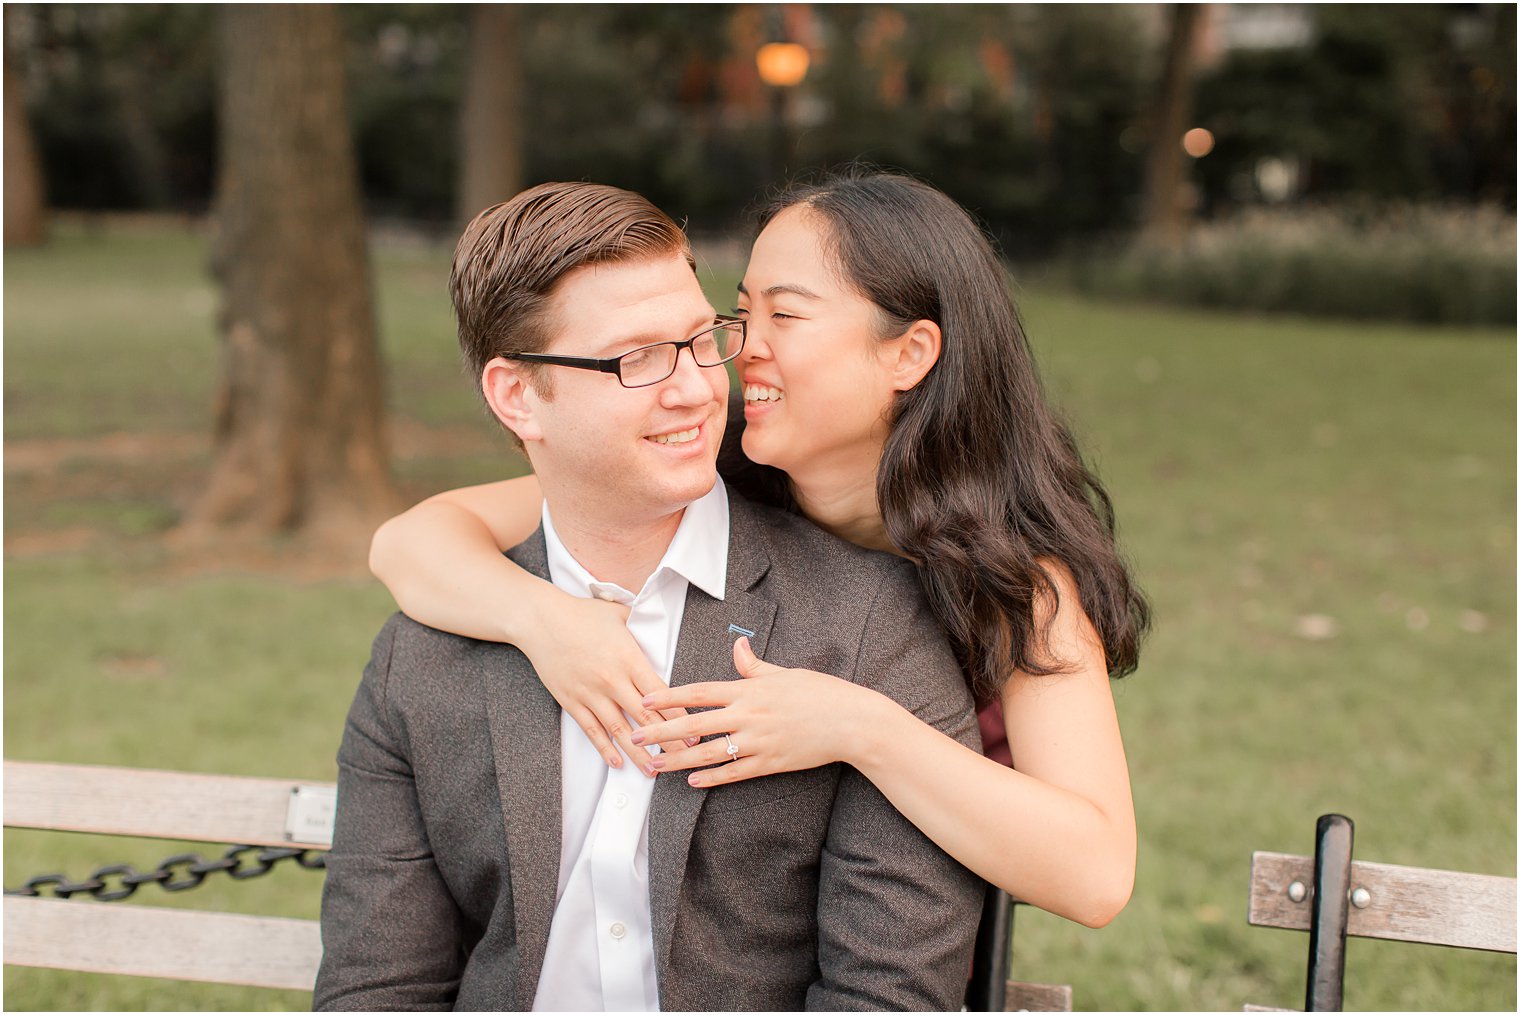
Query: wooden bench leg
(1331,908)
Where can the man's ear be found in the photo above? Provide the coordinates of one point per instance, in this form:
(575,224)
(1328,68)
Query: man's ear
(510,394)
(917,350)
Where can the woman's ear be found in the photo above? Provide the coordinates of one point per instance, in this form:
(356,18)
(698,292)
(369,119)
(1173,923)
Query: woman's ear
(510,394)
(917,351)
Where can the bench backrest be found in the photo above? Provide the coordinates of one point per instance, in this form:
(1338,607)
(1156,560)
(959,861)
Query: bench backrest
(1418,904)
(168,805)
(90,937)
(1332,896)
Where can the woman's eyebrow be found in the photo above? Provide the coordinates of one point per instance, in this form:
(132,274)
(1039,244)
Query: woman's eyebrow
(787,288)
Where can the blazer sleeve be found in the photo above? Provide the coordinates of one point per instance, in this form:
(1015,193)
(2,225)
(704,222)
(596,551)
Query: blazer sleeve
(897,916)
(391,932)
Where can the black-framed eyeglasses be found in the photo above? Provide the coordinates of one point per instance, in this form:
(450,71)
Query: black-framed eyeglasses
(651,364)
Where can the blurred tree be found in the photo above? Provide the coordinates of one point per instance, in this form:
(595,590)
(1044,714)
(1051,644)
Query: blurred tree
(298,435)
(1163,214)
(1083,70)
(123,103)
(407,66)
(628,94)
(1475,77)
(25,203)
(1413,101)
(1032,115)
(490,133)
(1016,111)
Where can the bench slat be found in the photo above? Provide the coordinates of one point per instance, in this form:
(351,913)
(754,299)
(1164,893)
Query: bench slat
(151,804)
(1415,904)
(177,944)
(1037,997)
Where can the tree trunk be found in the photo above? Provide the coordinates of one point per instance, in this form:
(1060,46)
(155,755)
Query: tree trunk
(1164,219)
(25,206)
(490,131)
(298,438)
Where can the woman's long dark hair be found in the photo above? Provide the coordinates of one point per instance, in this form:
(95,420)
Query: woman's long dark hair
(979,481)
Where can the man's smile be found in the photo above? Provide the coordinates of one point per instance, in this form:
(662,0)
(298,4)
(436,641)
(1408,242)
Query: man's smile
(678,437)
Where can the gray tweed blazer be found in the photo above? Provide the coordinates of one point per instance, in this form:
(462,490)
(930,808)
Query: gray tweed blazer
(800,890)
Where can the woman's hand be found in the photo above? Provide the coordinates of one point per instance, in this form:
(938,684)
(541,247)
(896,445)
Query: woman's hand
(601,679)
(781,720)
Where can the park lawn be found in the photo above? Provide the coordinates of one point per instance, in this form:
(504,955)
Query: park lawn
(1322,513)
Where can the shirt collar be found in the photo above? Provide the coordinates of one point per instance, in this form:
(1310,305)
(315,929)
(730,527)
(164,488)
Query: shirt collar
(698,553)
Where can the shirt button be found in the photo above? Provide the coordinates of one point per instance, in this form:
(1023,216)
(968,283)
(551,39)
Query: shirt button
(617,930)
(620,801)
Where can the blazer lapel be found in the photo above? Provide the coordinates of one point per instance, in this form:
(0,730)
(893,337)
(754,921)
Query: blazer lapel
(525,740)
(704,652)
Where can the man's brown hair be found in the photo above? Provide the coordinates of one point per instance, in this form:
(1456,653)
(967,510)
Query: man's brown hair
(513,255)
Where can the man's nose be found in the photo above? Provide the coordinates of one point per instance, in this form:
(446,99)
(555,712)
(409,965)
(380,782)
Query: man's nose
(690,384)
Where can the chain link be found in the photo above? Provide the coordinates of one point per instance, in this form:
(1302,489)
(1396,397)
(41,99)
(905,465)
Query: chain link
(175,874)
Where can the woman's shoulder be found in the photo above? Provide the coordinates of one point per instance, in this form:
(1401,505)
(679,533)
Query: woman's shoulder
(1070,634)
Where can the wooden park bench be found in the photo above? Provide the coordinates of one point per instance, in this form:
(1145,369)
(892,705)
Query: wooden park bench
(277,819)
(179,944)
(1331,896)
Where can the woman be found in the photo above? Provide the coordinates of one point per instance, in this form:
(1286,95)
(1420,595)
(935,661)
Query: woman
(890,396)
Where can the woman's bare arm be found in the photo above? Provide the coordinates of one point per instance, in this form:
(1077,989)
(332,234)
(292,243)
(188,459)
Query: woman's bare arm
(1057,832)
(1058,829)
(442,561)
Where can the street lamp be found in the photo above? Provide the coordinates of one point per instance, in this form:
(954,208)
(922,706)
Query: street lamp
(782,66)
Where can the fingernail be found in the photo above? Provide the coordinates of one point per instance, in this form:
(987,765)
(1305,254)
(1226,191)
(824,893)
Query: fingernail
(637,737)
(648,700)
(692,741)
(694,780)
(657,762)
(615,760)
(650,771)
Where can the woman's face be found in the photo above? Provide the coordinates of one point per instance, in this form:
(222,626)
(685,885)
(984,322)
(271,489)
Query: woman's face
(815,377)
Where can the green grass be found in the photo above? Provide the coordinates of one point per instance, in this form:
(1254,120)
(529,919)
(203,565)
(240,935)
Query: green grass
(1265,470)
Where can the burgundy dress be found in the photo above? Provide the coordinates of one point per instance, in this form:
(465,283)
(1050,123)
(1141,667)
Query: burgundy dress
(994,735)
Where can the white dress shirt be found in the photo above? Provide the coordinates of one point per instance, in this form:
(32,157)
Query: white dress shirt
(600,955)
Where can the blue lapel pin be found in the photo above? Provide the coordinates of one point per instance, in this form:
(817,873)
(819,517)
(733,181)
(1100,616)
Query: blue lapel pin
(736,629)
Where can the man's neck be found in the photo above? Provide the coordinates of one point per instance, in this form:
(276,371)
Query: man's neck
(624,552)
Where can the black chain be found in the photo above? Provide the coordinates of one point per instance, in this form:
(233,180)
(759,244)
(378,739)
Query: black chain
(176,874)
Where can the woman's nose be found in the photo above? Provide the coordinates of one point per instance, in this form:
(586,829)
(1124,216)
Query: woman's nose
(755,345)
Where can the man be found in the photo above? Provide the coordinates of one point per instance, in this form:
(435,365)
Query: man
(485,856)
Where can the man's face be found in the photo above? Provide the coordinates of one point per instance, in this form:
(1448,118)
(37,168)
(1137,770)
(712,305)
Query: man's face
(626,453)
